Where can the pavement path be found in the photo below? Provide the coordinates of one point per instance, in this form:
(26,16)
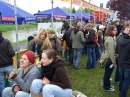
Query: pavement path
(20,46)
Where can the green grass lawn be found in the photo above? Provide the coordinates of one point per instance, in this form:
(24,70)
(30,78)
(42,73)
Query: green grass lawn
(5,27)
(89,82)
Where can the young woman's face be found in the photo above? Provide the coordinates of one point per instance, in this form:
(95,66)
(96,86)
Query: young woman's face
(24,62)
(126,31)
(45,61)
(42,36)
(114,31)
(49,35)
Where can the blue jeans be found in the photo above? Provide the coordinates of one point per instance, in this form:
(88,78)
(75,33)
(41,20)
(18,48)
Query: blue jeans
(49,90)
(7,92)
(3,72)
(76,58)
(124,81)
(98,52)
(107,75)
(91,58)
(70,55)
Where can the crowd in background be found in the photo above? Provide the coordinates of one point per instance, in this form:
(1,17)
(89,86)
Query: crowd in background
(107,44)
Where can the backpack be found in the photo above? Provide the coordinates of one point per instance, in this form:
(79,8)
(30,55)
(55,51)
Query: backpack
(95,40)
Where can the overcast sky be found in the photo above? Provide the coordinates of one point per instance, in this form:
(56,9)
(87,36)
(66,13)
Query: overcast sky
(32,6)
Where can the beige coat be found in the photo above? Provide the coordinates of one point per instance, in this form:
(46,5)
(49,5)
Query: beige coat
(109,49)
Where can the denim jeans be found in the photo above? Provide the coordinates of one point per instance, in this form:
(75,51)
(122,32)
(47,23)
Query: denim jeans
(107,75)
(91,58)
(76,58)
(124,81)
(49,90)
(70,55)
(3,72)
(117,73)
(7,92)
(98,52)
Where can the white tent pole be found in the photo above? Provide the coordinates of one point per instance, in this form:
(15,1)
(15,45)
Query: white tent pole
(16,29)
(52,14)
(70,12)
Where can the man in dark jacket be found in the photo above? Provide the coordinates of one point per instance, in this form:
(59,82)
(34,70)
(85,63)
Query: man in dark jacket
(90,47)
(119,27)
(6,61)
(124,64)
(66,37)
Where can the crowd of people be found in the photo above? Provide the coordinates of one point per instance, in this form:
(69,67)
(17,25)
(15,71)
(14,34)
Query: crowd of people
(107,44)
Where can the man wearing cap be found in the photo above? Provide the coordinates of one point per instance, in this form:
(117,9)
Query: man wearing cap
(6,61)
(99,45)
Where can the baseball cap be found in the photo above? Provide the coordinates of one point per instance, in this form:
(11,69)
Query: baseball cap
(101,26)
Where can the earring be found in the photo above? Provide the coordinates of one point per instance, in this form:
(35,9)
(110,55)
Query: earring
(50,61)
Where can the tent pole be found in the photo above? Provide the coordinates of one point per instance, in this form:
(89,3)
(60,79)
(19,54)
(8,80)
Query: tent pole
(89,10)
(81,12)
(70,12)
(52,14)
(16,30)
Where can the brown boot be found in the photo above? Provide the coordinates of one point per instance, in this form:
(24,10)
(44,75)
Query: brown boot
(34,95)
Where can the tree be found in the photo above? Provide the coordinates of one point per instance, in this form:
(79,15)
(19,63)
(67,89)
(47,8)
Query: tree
(73,10)
(122,7)
(67,9)
(39,11)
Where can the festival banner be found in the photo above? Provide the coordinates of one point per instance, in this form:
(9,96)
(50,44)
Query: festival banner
(8,18)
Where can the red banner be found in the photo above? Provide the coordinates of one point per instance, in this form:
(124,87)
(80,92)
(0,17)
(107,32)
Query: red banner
(7,18)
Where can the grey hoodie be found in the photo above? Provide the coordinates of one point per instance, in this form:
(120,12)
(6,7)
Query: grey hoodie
(24,81)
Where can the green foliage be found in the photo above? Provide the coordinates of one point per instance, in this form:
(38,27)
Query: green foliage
(20,42)
(84,10)
(69,10)
(73,10)
(90,82)
(5,28)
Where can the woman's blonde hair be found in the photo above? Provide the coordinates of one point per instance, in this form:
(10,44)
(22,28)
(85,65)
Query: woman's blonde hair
(46,43)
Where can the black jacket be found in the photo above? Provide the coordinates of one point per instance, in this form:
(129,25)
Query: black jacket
(6,53)
(89,40)
(119,28)
(66,37)
(124,51)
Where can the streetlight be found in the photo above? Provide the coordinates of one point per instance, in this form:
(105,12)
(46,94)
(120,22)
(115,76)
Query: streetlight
(89,10)
(16,29)
(52,14)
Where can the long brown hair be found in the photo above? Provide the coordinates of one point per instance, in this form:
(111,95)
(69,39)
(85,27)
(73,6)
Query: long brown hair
(109,30)
(46,42)
(51,54)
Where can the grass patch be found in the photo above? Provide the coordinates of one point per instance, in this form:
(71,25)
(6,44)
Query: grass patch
(5,28)
(89,82)
(20,42)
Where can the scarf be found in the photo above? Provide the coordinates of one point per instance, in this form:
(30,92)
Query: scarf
(48,71)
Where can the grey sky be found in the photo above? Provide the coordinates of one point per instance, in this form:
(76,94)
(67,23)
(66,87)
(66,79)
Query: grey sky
(32,6)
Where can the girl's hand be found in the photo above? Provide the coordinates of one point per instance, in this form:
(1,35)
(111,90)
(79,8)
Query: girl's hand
(45,81)
(16,88)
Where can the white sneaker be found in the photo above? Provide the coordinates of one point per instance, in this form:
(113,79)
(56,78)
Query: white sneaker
(111,89)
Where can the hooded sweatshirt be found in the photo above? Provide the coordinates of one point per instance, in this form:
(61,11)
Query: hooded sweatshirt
(6,53)
(124,51)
